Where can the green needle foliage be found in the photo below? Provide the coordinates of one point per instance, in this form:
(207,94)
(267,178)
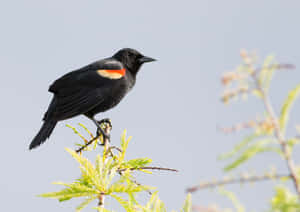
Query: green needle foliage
(110,176)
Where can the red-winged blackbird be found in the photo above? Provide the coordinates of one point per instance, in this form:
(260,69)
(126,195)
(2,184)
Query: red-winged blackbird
(90,90)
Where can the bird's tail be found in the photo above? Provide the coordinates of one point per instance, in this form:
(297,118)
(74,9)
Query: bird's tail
(43,134)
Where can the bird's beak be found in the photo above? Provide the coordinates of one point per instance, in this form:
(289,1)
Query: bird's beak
(146,59)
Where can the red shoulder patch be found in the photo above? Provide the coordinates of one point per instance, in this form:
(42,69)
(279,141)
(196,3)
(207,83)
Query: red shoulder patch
(112,74)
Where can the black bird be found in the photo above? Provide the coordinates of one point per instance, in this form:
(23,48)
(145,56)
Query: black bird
(92,89)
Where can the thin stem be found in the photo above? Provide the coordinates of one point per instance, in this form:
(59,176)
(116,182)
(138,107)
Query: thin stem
(101,200)
(135,182)
(146,167)
(106,143)
(240,180)
(279,135)
(149,167)
(87,144)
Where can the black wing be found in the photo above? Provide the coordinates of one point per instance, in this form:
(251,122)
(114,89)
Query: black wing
(80,91)
(86,76)
(80,102)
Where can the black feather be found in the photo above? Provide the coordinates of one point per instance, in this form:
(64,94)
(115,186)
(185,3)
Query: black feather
(43,134)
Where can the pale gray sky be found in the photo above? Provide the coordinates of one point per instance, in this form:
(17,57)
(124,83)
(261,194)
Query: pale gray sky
(172,112)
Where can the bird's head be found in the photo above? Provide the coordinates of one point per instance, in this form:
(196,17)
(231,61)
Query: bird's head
(132,59)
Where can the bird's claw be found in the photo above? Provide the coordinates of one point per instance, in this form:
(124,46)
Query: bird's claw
(106,123)
(101,132)
(106,120)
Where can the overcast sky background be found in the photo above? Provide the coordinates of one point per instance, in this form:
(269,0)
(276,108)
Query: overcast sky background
(172,112)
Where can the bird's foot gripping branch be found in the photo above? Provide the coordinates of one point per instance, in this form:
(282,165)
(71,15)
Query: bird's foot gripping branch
(102,137)
(111,176)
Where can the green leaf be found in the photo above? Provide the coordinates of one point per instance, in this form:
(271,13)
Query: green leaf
(124,145)
(86,129)
(257,93)
(132,188)
(266,73)
(155,204)
(84,162)
(66,194)
(72,190)
(232,197)
(187,205)
(100,209)
(285,201)
(286,107)
(132,199)
(136,163)
(238,147)
(124,203)
(258,147)
(76,132)
(77,187)
(87,201)
(89,173)
(292,142)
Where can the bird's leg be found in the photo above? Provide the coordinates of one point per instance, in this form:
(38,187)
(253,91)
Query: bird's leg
(99,128)
(106,120)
